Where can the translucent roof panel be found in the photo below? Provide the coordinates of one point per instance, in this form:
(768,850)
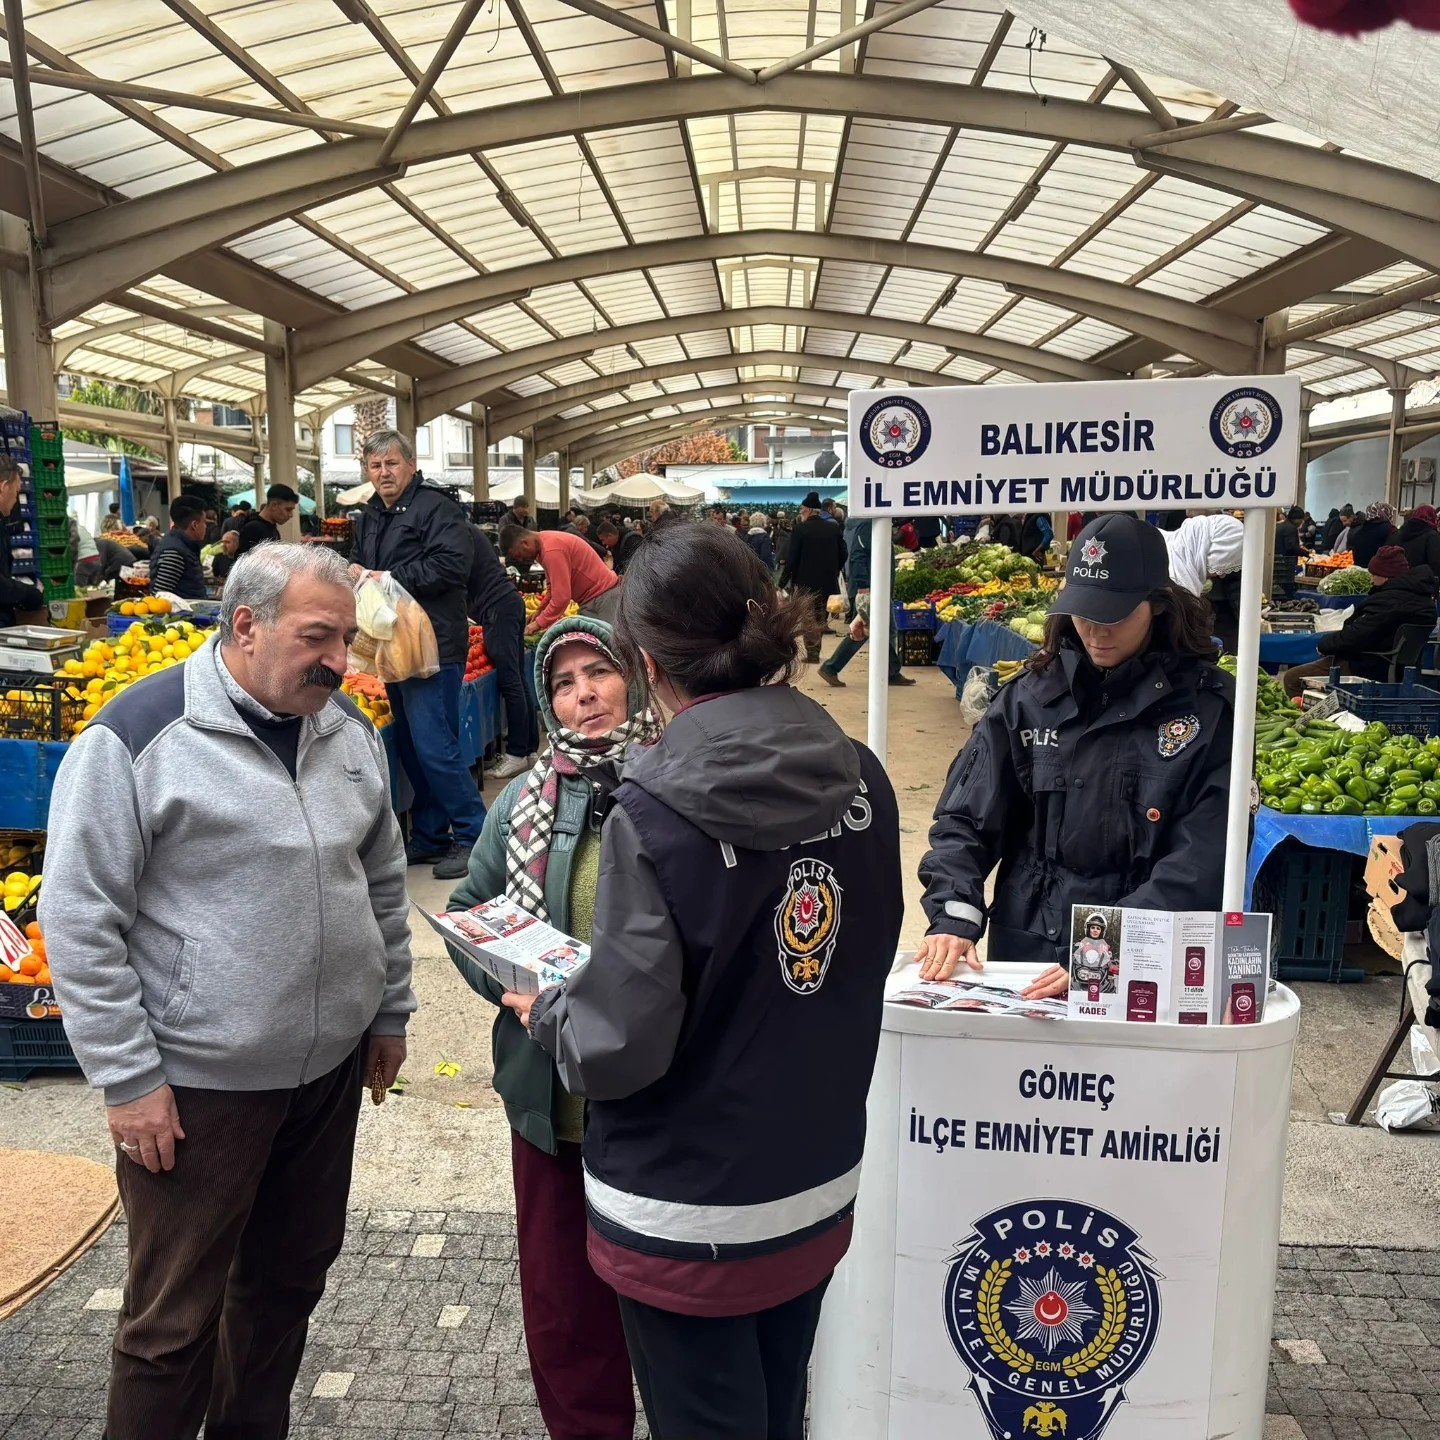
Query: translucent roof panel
(624,187)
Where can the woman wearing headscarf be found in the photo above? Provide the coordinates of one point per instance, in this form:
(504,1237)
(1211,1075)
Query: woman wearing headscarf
(1377,529)
(1419,539)
(725,1027)
(1206,551)
(541,847)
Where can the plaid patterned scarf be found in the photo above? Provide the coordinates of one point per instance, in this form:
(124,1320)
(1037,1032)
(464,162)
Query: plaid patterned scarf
(532,821)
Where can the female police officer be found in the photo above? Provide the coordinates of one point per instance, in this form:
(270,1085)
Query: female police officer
(1097,777)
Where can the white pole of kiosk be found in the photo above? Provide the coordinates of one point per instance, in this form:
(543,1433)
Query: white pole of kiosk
(1061,1277)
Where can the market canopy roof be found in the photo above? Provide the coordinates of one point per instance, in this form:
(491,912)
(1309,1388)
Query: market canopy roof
(611,222)
(639,490)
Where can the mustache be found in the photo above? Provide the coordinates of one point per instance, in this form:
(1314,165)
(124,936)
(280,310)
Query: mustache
(322,675)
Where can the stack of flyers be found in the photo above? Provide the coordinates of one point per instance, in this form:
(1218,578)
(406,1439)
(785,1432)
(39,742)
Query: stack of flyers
(974,995)
(521,953)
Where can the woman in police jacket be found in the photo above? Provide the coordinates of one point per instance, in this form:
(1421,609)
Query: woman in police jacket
(1099,776)
(725,1026)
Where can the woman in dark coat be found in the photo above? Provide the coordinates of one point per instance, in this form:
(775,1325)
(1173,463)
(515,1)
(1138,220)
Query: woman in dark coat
(1375,530)
(1419,539)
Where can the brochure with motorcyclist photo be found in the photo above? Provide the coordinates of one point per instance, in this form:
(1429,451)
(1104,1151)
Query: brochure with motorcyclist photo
(520,952)
(1155,966)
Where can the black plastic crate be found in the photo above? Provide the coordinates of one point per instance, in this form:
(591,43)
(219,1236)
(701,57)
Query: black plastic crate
(1308,892)
(32,708)
(27,1046)
(917,647)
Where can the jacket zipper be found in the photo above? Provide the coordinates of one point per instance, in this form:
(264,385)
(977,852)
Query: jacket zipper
(315,852)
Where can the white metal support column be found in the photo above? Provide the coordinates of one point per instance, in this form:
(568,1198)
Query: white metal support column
(527,461)
(172,447)
(480,451)
(878,728)
(405,406)
(29,372)
(1394,454)
(280,419)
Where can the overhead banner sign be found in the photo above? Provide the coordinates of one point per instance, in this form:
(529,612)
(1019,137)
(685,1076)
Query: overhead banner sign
(1224,443)
(1058,1235)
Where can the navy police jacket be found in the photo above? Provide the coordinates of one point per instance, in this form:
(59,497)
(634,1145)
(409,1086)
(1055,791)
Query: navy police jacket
(1086,787)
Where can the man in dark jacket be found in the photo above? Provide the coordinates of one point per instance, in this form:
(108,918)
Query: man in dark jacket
(1287,552)
(17,594)
(622,544)
(1398,596)
(421,536)
(175,566)
(495,605)
(815,558)
(518,514)
(264,526)
(1420,541)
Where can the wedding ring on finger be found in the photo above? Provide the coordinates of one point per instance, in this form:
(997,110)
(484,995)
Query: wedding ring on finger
(129,1146)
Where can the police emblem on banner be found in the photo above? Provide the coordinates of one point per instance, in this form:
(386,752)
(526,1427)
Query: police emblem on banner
(895,432)
(1246,423)
(807,924)
(1175,735)
(1053,1307)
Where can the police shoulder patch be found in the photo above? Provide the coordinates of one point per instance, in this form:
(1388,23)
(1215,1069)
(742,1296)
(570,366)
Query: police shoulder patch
(807,925)
(1175,735)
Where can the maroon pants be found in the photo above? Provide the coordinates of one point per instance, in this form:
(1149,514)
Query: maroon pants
(578,1358)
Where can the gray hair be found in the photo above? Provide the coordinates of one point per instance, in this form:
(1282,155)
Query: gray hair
(382,440)
(259,578)
(759,520)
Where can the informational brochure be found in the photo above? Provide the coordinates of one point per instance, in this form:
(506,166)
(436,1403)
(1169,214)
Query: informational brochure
(1155,966)
(520,952)
(976,995)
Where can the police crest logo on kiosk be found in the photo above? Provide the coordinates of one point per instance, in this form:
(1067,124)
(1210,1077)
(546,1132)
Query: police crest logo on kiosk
(1053,1307)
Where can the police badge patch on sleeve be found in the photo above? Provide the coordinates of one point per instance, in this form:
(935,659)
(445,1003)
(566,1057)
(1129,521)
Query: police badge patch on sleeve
(807,924)
(1175,735)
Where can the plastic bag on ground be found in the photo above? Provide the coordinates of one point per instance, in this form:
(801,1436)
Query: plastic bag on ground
(1413,1104)
(979,690)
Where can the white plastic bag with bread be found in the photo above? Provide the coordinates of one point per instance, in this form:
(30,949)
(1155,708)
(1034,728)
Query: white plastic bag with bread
(410,651)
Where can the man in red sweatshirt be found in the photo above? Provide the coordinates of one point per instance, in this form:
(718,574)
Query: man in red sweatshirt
(573,572)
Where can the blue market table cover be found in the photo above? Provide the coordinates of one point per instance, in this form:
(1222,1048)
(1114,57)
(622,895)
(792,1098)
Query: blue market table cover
(480,727)
(1352,833)
(27,774)
(1296,649)
(964,646)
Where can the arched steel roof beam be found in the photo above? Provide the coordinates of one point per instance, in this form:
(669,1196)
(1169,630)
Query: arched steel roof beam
(486,377)
(331,345)
(185,219)
(562,432)
(535,409)
(65,346)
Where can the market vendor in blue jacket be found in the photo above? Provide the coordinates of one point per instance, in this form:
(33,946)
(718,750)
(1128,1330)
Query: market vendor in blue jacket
(1099,776)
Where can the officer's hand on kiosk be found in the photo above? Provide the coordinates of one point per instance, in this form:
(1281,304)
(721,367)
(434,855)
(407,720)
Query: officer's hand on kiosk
(1052,981)
(939,956)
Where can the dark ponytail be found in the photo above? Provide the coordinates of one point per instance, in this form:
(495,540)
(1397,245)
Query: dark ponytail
(697,600)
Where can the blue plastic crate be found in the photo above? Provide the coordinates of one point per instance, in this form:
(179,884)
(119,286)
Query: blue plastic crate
(914,619)
(27,776)
(1407,708)
(30,1045)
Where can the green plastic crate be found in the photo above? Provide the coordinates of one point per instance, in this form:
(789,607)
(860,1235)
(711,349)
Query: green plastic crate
(46,441)
(52,500)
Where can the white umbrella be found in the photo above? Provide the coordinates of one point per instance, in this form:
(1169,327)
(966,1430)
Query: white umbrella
(640,490)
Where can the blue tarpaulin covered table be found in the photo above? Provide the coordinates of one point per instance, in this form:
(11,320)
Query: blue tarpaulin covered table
(27,773)
(983,643)
(1296,649)
(1352,833)
(480,727)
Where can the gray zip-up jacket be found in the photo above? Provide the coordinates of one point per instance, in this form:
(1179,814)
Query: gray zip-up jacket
(211,922)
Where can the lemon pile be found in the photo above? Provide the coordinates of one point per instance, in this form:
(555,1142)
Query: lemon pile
(17,888)
(108,666)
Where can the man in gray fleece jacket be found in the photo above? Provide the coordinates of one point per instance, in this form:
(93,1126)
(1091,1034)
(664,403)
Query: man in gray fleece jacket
(224,908)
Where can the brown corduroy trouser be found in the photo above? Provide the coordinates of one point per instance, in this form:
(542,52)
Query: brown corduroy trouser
(228,1257)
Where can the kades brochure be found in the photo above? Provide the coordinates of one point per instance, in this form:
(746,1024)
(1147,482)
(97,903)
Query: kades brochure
(518,951)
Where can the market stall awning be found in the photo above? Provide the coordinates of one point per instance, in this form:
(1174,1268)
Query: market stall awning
(307,505)
(639,490)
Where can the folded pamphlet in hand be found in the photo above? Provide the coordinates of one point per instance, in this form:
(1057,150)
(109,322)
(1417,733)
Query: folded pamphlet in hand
(518,951)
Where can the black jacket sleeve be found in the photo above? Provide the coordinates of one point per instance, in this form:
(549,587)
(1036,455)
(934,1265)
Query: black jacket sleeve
(445,554)
(1371,628)
(969,827)
(793,552)
(613,1026)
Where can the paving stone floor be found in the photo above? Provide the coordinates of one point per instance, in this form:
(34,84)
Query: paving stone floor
(419,1338)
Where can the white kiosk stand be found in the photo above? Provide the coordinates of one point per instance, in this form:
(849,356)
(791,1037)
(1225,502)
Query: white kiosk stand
(1067,1228)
